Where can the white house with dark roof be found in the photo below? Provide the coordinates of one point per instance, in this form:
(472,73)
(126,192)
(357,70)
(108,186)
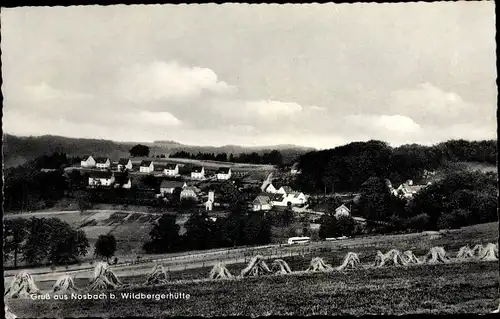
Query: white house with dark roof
(168,187)
(262,202)
(146,167)
(124,164)
(342,210)
(88,161)
(224,173)
(198,172)
(101,178)
(295,169)
(122,180)
(102,162)
(171,170)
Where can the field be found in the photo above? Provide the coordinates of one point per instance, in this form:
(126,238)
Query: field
(468,287)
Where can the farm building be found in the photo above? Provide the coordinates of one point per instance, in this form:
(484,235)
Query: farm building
(198,172)
(123,181)
(295,169)
(124,164)
(342,210)
(224,173)
(279,200)
(296,198)
(284,190)
(88,161)
(261,202)
(102,162)
(407,189)
(168,187)
(171,170)
(146,167)
(188,192)
(101,178)
(270,189)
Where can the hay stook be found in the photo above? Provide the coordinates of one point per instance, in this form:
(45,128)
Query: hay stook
(393,257)
(22,286)
(64,284)
(436,255)
(351,261)
(157,276)
(318,264)
(488,253)
(256,267)
(219,271)
(409,258)
(280,267)
(465,253)
(8,313)
(104,278)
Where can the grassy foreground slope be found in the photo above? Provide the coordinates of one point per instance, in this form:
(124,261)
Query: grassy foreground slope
(453,288)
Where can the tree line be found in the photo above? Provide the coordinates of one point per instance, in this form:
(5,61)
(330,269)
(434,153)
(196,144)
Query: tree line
(42,240)
(273,157)
(347,167)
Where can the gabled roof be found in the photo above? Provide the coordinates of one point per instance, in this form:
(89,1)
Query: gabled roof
(100,174)
(121,178)
(171,166)
(123,161)
(262,199)
(85,158)
(197,169)
(223,170)
(146,163)
(342,206)
(101,160)
(277,197)
(287,189)
(296,194)
(171,184)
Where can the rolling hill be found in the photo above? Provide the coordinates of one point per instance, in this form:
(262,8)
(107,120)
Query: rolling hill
(20,149)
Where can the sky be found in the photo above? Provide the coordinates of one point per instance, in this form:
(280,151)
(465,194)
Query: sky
(318,75)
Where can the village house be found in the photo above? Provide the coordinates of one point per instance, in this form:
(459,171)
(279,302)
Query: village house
(88,161)
(295,169)
(124,164)
(188,192)
(224,173)
(262,202)
(270,189)
(171,170)
(101,178)
(198,172)
(408,189)
(146,167)
(168,187)
(296,198)
(279,200)
(209,204)
(122,180)
(284,190)
(102,162)
(342,210)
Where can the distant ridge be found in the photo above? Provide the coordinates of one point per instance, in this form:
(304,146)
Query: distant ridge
(20,149)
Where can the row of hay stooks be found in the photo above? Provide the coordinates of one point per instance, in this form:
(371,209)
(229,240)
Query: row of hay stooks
(104,278)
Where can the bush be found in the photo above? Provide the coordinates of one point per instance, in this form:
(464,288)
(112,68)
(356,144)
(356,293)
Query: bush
(418,223)
(456,219)
(345,226)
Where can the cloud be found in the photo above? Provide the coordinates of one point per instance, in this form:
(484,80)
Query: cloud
(162,81)
(44,91)
(429,104)
(389,123)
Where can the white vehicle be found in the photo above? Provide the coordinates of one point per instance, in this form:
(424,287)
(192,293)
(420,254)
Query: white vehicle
(298,240)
